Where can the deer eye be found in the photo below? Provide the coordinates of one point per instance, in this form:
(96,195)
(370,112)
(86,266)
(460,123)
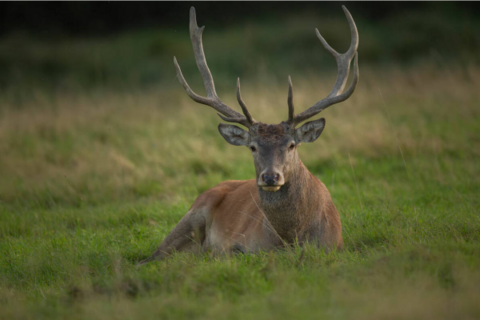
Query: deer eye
(292,146)
(253,148)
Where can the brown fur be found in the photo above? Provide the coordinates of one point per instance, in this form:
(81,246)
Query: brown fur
(269,131)
(241,216)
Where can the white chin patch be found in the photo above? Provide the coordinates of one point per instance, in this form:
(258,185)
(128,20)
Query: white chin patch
(271,188)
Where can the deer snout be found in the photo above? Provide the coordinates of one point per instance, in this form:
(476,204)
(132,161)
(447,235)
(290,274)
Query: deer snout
(271,180)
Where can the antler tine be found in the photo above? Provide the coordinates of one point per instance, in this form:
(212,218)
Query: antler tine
(291,107)
(330,100)
(343,65)
(211,99)
(242,104)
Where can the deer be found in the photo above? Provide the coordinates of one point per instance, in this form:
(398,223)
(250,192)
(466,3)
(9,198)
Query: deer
(285,204)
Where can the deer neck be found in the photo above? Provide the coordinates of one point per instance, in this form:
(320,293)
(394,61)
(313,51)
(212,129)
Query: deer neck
(292,208)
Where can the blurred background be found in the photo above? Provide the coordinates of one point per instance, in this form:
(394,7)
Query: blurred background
(76,45)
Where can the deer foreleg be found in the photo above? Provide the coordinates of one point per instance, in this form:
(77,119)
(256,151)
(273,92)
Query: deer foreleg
(188,235)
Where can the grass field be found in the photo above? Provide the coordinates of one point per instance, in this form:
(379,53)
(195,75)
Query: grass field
(92,181)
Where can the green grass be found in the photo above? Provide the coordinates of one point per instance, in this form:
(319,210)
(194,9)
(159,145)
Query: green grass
(91,181)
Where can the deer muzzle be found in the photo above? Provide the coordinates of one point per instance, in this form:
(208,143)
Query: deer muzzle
(271,181)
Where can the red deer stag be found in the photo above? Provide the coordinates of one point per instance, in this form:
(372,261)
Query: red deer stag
(285,203)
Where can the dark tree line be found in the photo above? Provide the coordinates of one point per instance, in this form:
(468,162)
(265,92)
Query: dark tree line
(91,18)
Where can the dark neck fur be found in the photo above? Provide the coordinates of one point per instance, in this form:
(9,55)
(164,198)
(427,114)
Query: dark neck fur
(292,207)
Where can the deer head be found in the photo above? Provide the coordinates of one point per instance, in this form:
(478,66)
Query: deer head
(274,147)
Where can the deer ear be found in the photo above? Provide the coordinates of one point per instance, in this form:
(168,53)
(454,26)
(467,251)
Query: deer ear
(310,131)
(233,134)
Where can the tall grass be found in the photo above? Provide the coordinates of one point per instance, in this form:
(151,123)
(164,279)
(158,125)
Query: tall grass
(91,180)
(92,183)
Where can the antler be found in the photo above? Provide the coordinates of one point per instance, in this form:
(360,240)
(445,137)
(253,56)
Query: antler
(291,108)
(343,65)
(211,99)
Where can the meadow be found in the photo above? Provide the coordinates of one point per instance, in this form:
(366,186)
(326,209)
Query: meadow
(101,158)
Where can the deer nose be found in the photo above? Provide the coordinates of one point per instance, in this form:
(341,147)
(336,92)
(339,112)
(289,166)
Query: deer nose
(270,179)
